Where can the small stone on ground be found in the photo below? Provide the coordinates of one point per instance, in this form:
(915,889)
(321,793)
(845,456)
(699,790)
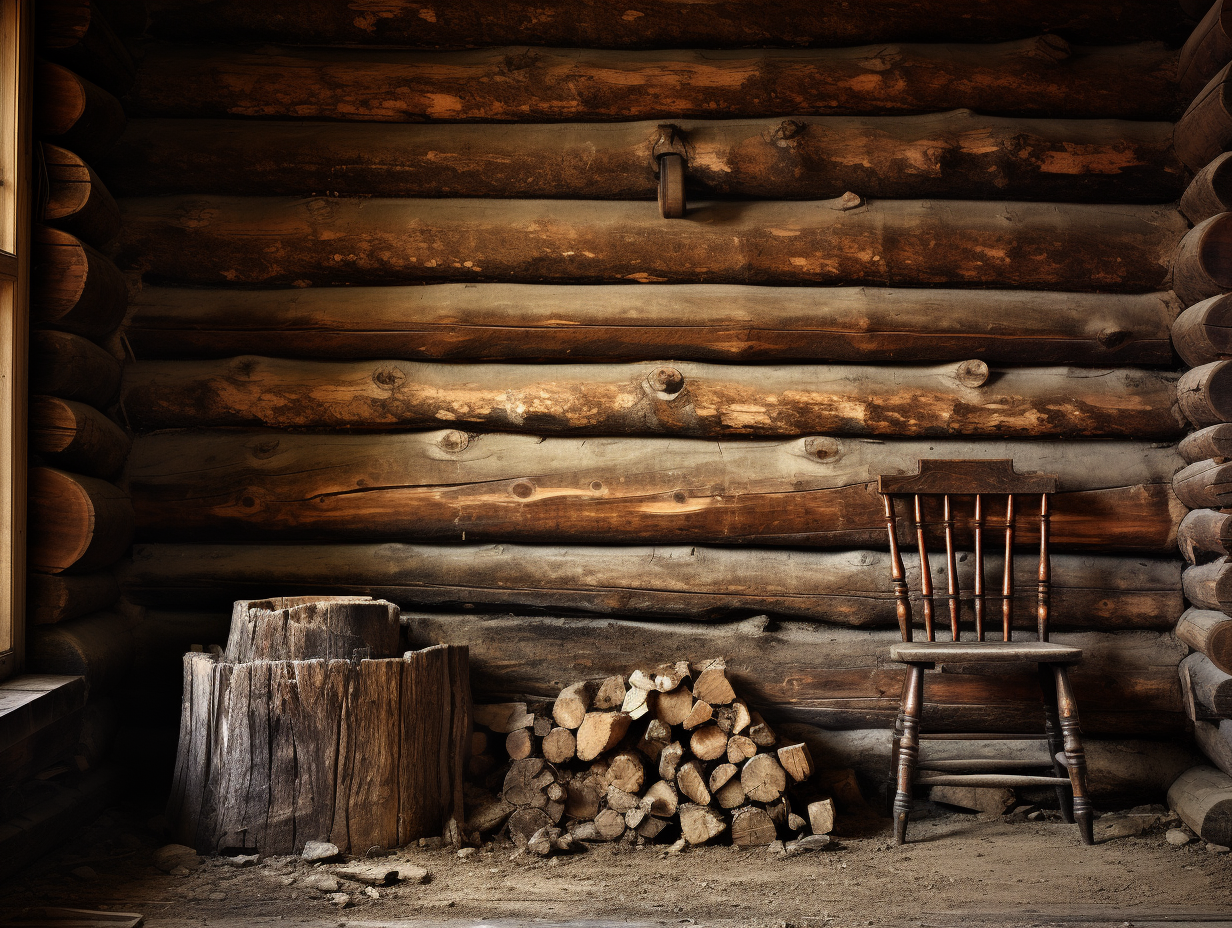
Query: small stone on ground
(320,850)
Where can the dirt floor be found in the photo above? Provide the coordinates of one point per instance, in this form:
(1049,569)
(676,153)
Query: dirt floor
(958,869)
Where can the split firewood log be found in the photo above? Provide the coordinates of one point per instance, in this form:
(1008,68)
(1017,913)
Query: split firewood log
(661,799)
(761,733)
(708,742)
(599,732)
(731,795)
(610,824)
(795,822)
(779,810)
(626,772)
(559,746)
(664,678)
(524,823)
(797,761)
(585,831)
(619,800)
(763,778)
(721,774)
(691,780)
(634,817)
(520,743)
(651,827)
(740,748)
(656,737)
(582,800)
(821,816)
(711,684)
(699,824)
(572,704)
(669,760)
(526,783)
(488,815)
(503,717)
(638,702)
(674,706)
(611,693)
(543,724)
(752,827)
(700,714)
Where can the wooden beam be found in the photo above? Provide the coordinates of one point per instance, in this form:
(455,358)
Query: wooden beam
(1205,393)
(1215,740)
(1205,485)
(451,486)
(846,588)
(1210,192)
(1203,332)
(700,400)
(1203,628)
(1204,130)
(76,34)
(833,677)
(705,322)
(75,287)
(709,24)
(1206,688)
(275,241)
(1202,267)
(1202,797)
(1205,532)
(1206,51)
(73,112)
(76,437)
(959,154)
(71,367)
(77,524)
(53,598)
(77,201)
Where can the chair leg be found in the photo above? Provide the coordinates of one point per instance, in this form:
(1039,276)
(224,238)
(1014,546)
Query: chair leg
(896,741)
(1075,759)
(1052,731)
(908,749)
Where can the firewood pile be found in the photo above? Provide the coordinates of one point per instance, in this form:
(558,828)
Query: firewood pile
(663,755)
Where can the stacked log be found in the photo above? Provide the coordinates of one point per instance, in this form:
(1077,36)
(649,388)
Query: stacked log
(658,753)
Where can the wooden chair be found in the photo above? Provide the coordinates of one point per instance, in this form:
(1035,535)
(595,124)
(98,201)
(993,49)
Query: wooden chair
(988,490)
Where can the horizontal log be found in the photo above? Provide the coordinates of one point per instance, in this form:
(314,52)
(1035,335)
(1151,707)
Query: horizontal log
(1205,532)
(1215,740)
(709,24)
(52,598)
(71,367)
(1214,441)
(73,112)
(951,155)
(450,486)
(76,437)
(849,587)
(76,34)
(75,287)
(1042,76)
(1202,267)
(1203,332)
(1208,585)
(708,322)
(1206,51)
(1204,130)
(699,400)
(1203,628)
(1204,484)
(834,677)
(1210,192)
(77,201)
(77,524)
(1205,394)
(97,647)
(1207,689)
(1202,797)
(277,241)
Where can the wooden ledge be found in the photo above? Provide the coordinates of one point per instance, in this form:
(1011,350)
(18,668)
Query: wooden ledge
(32,702)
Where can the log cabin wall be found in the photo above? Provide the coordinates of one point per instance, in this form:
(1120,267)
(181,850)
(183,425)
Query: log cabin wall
(409,323)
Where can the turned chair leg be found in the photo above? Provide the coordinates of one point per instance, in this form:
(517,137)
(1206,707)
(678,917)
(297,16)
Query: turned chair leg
(1052,731)
(1075,759)
(908,748)
(896,741)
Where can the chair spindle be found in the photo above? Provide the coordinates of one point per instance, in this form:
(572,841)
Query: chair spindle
(898,576)
(926,573)
(1007,583)
(951,566)
(979,567)
(1045,570)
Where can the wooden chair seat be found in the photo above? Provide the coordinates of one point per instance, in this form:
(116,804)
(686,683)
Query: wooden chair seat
(958,652)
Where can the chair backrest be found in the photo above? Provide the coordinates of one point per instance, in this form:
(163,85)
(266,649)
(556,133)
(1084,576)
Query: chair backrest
(979,494)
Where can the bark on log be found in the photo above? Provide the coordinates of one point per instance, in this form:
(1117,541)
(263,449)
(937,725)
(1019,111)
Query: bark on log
(835,677)
(812,492)
(338,761)
(1214,441)
(1206,51)
(311,628)
(1215,740)
(77,201)
(1202,797)
(1041,76)
(715,322)
(72,112)
(1202,267)
(712,24)
(52,598)
(849,588)
(1203,332)
(73,368)
(76,437)
(1205,393)
(98,647)
(278,241)
(1210,192)
(1205,629)
(1205,484)
(75,287)
(951,155)
(76,34)
(688,398)
(1207,689)
(1205,532)
(1204,131)
(77,524)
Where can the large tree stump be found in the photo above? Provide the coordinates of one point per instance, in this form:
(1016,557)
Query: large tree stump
(360,753)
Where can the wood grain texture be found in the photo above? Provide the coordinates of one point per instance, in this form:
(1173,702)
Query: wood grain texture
(1205,394)
(1041,76)
(1204,628)
(834,677)
(1206,51)
(958,154)
(77,201)
(693,399)
(705,322)
(1204,484)
(1202,267)
(1207,689)
(73,112)
(1210,192)
(1203,533)
(846,588)
(1202,797)
(1204,130)
(1203,332)
(451,486)
(710,24)
(78,524)
(1213,441)
(76,437)
(1215,740)
(359,754)
(52,598)
(75,287)
(275,241)
(72,367)
(309,628)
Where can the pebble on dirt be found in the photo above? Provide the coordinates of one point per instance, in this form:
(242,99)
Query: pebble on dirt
(1177,837)
(320,850)
(172,857)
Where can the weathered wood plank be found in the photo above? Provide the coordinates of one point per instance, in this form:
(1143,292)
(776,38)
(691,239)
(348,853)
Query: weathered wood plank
(848,587)
(708,24)
(714,322)
(449,485)
(1042,76)
(700,400)
(834,677)
(959,154)
(277,241)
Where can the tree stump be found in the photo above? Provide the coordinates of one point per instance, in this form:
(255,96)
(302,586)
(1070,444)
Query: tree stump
(285,746)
